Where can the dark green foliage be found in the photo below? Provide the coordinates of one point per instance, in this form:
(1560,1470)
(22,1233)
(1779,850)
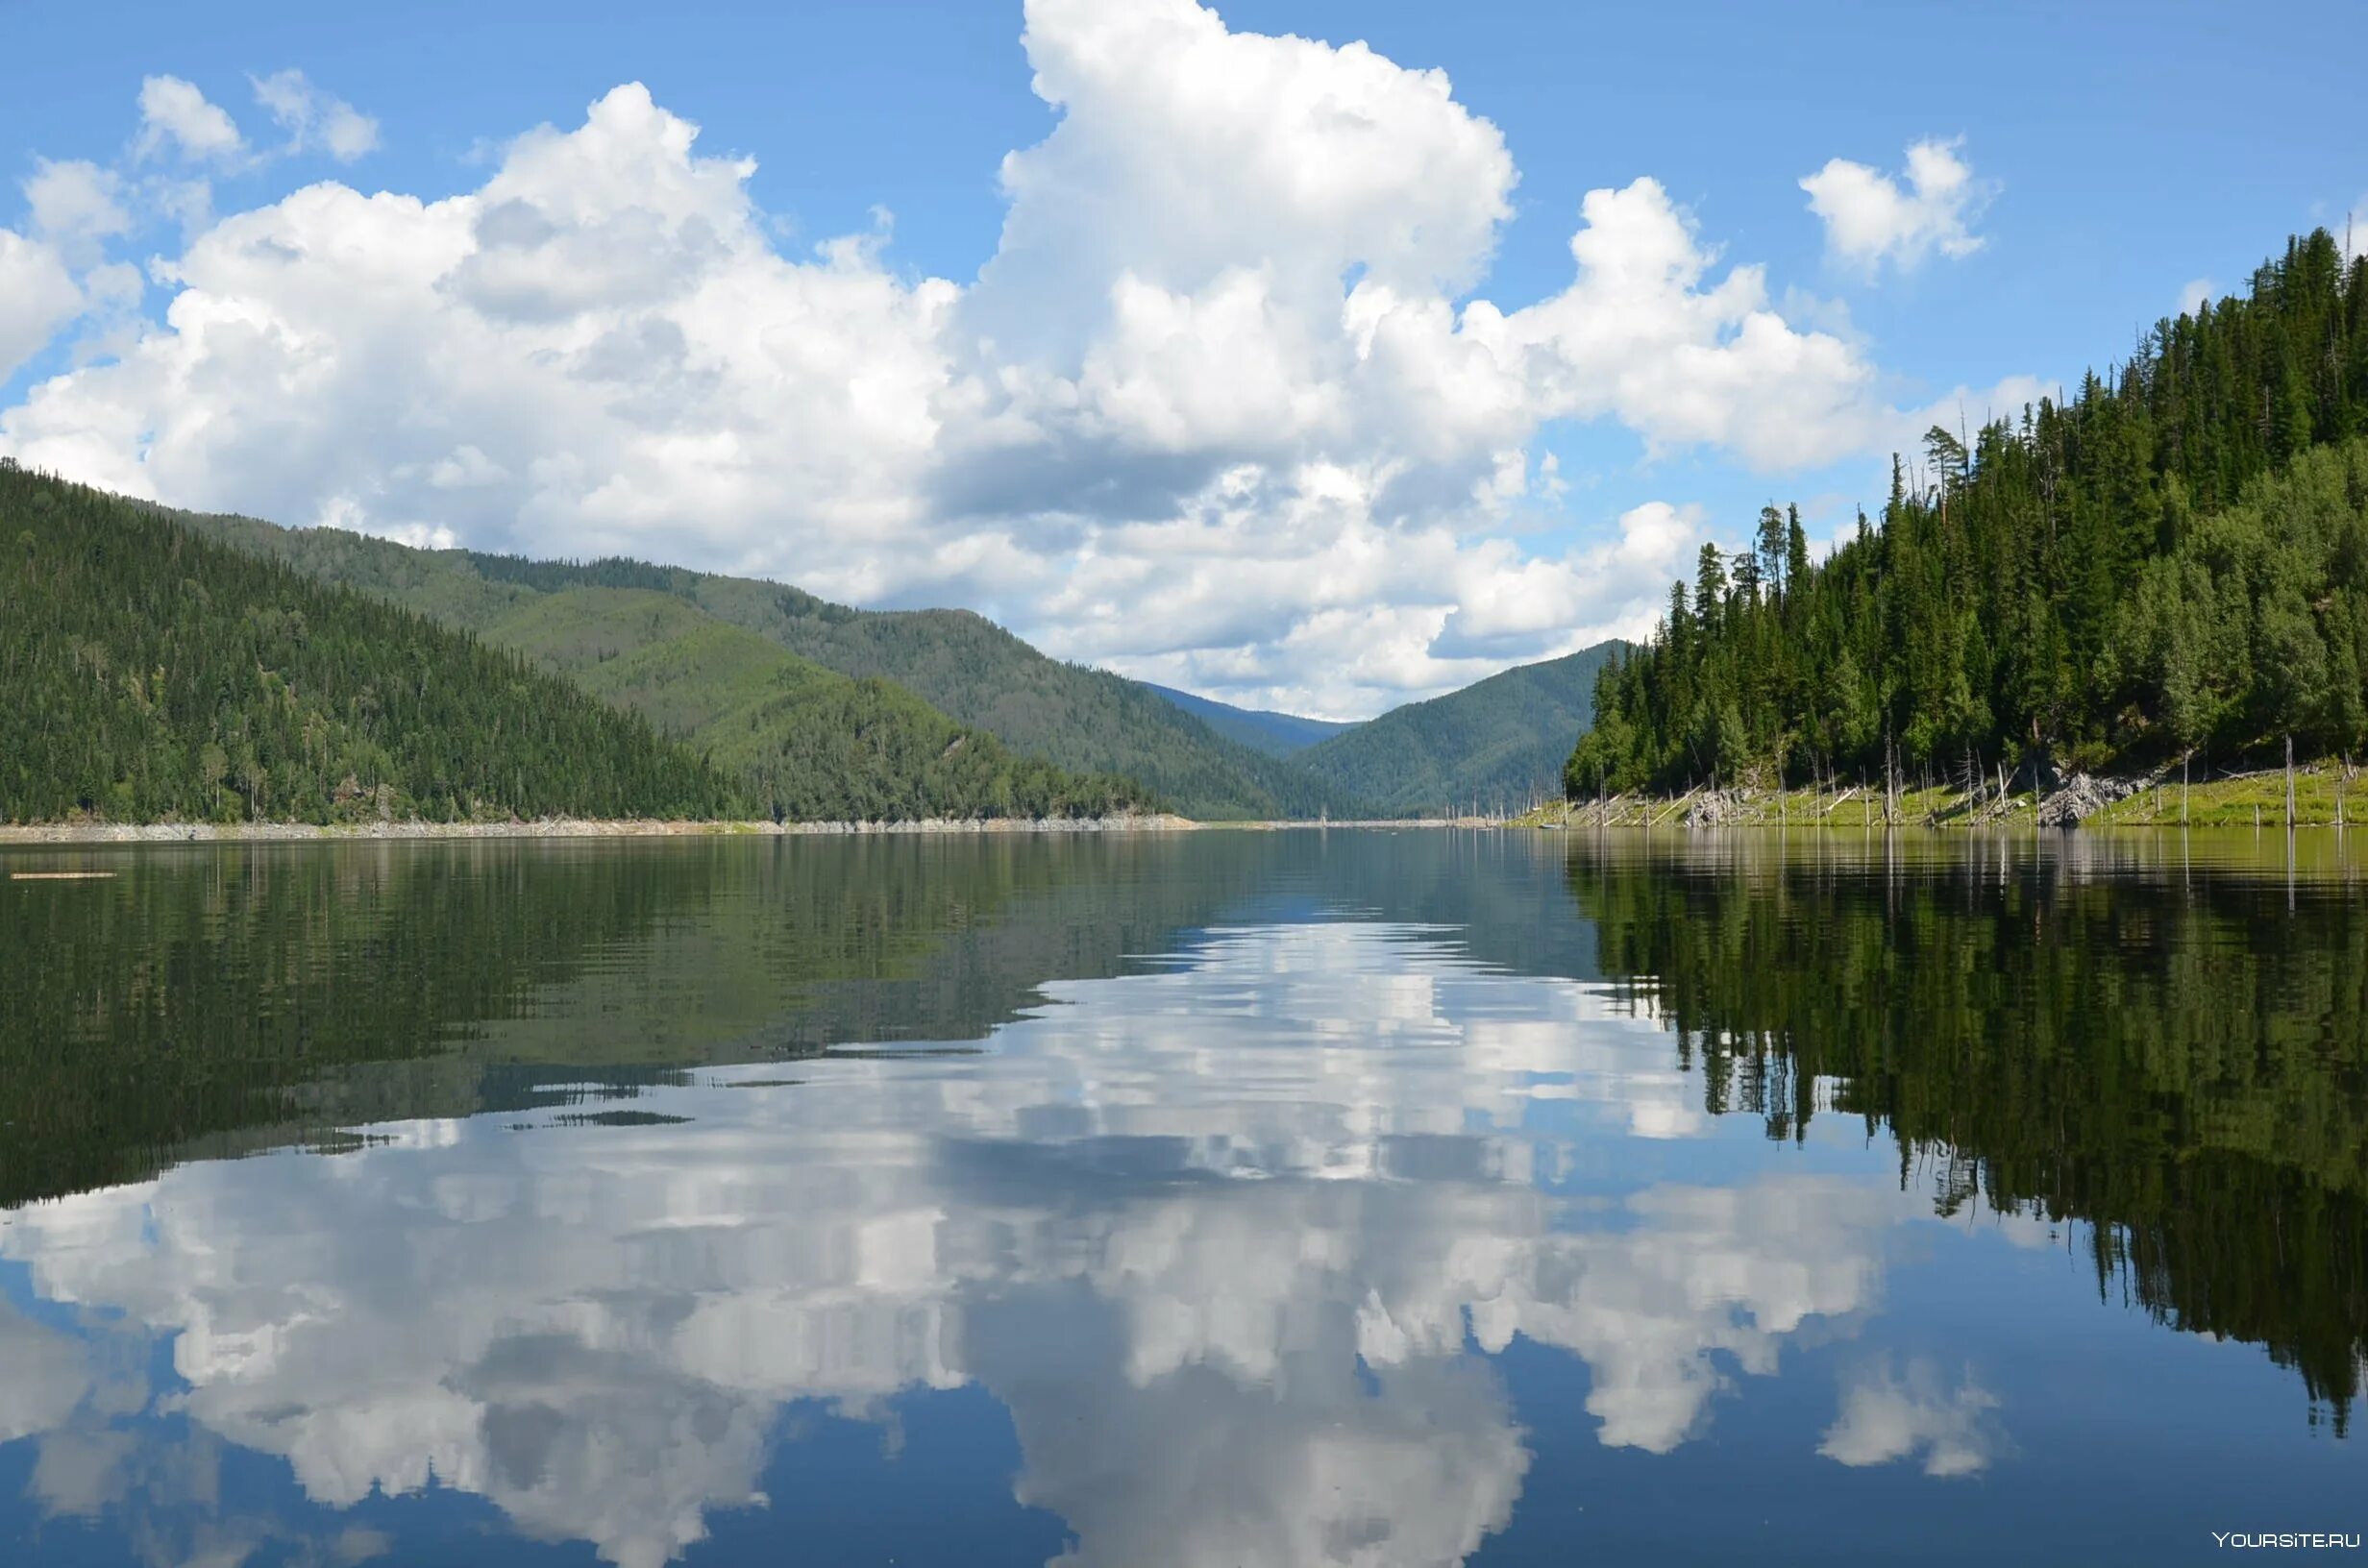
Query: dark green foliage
(2181,1063)
(813,744)
(1494,745)
(150,673)
(2175,561)
(1081,721)
(808,742)
(1079,718)
(870,750)
(1261,729)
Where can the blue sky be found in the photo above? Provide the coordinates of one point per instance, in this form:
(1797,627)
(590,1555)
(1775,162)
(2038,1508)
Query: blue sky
(2124,152)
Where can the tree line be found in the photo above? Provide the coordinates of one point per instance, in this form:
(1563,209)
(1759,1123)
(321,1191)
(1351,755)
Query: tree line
(1073,740)
(163,668)
(151,674)
(2174,562)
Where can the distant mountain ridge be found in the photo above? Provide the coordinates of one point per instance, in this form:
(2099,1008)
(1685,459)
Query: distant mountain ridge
(1497,745)
(825,709)
(1261,729)
(1088,723)
(812,742)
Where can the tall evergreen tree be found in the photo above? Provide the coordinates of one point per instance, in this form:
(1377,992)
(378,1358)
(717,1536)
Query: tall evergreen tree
(2175,559)
(150,673)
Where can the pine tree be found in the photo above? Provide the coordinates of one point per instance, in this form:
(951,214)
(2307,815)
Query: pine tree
(2177,558)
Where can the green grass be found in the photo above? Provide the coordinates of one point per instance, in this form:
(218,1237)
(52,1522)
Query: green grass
(2257,800)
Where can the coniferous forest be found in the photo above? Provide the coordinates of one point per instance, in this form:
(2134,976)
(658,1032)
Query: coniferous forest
(2172,565)
(1043,738)
(158,673)
(152,674)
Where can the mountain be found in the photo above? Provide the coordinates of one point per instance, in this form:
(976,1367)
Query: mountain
(1497,744)
(1261,729)
(973,673)
(811,743)
(153,673)
(967,666)
(2174,562)
(805,741)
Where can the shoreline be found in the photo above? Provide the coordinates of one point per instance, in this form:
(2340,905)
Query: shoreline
(35,834)
(555,827)
(1935,809)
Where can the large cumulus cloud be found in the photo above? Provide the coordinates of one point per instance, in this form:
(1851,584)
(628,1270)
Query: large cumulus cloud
(1218,410)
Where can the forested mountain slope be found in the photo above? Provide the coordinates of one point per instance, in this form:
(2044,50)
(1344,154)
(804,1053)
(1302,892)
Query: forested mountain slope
(806,741)
(810,743)
(1081,720)
(1261,729)
(968,667)
(148,672)
(1497,744)
(2174,562)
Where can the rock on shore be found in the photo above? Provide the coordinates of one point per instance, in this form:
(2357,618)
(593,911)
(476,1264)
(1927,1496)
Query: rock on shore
(2078,796)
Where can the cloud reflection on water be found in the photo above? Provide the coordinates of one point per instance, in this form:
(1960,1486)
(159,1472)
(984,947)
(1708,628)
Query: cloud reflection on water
(1220,1237)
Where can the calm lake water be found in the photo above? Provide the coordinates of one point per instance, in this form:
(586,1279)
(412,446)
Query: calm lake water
(1216,1199)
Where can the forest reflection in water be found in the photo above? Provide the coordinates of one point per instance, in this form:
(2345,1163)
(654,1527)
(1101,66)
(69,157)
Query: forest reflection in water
(1222,1198)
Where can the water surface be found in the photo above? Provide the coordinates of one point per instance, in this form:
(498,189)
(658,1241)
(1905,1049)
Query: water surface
(1228,1198)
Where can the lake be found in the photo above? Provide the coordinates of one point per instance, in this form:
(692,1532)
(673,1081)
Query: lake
(1205,1198)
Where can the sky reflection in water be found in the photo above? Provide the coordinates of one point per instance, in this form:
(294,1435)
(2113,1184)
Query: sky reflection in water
(1302,1240)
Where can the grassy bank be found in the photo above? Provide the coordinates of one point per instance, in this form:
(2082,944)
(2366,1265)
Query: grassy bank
(2323,797)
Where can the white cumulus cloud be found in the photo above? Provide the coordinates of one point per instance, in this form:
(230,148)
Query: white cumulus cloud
(37,296)
(76,205)
(175,113)
(1872,218)
(1217,412)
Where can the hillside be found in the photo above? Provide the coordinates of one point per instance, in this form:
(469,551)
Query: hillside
(2173,564)
(806,741)
(972,668)
(1084,721)
(153,673)
(1497,744)
(1261,729)
(811,743)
